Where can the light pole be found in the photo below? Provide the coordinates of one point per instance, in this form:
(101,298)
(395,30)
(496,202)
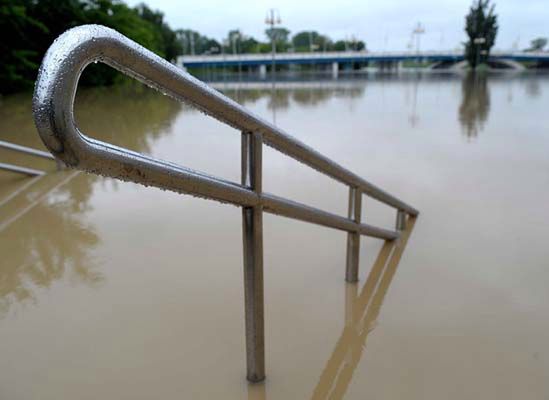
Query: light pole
(191,36)
(418,30)
(234,38)
(272,19)
(224,44)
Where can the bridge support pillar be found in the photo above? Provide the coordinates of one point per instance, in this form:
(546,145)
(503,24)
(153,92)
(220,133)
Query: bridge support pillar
(335,70)
(262,71)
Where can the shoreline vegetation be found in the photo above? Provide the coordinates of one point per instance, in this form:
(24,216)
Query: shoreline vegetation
(32,25)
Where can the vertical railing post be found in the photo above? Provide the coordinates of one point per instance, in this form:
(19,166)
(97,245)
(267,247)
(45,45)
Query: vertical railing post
(252,233)
(401,220)
(353,238)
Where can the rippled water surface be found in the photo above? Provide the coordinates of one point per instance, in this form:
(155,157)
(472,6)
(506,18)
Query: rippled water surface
(110,290)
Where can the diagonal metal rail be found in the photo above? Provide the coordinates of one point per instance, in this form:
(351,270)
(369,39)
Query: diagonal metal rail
(53,105)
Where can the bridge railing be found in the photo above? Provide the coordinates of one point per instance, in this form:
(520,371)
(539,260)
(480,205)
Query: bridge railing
(313,56)
(347,56)
(53,112)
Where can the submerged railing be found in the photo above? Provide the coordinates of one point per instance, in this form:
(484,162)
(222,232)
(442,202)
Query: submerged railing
(53,112)
(24,150)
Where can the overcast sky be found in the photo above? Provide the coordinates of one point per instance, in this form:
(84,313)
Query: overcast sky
(382,24)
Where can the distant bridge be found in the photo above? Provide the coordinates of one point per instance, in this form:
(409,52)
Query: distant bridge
(349,57)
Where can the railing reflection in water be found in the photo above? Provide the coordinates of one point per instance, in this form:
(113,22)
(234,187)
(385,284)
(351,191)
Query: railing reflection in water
(43,241)
(361,313)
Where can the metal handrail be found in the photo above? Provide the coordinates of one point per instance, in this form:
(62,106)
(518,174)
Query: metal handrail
(53,105)
(25,150)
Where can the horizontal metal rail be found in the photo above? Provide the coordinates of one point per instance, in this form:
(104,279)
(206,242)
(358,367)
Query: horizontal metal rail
(25,150)
(53,105)
(21,170)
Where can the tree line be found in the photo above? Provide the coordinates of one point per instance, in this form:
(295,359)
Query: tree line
(29,27)
(237,42)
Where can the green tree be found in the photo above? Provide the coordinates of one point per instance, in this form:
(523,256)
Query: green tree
(347,45)
(249,45)
(18,56)
(169,46)
(311,40)
(238,42)
(356,45)
(117,15)
(29,27)
(280,36)
(537,44)
(193,42)
(481,26)
(233,42)
(340,45)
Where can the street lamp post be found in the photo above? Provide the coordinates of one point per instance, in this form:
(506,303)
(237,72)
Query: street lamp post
(418,30)
(224,44)
(236,37)
(191,39)
(272,19)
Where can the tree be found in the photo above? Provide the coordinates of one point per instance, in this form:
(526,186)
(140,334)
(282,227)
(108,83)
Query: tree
(18,57)
(29,27)
(280,36)
(481,26)
(233,42)
(311,40)
(348,45)
(193,42)
(340,45)
(356,45)
(537,44)
(167,39)
(248,44)
(238,42)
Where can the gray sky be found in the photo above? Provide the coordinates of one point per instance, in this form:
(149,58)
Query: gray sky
(382,24)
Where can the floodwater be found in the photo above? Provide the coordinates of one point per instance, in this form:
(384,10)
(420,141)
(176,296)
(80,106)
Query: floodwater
(110,290)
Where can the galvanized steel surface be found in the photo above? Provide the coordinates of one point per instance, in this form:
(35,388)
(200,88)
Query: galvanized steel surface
(20,170)
(53,111)
(26,150)
(53,104)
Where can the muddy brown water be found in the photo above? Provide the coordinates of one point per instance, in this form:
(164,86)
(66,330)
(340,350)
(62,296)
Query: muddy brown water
(110,290)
